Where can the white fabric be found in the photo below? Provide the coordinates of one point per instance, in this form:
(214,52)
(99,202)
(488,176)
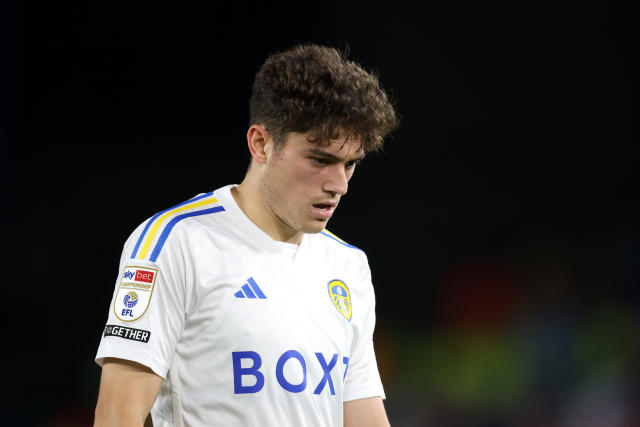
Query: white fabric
(197,323)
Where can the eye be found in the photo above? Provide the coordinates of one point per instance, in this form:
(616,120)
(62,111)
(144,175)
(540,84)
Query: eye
(352,164)
(320,161)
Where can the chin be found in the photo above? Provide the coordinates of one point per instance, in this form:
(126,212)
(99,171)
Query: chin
(316,227)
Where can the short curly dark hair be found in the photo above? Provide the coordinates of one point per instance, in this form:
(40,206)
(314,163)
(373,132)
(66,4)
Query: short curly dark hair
(312,88)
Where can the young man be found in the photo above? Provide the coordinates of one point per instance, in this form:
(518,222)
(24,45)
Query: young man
(237,307)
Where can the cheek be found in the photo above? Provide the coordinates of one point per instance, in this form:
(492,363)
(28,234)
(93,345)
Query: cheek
(289,185)
(297,178)
(350,173)
(303,177)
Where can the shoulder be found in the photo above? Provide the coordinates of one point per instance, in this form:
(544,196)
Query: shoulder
(183,220)
(327,234)
(348,264)
(335,245)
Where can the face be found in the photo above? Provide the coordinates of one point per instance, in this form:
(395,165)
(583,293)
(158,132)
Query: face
(303,181)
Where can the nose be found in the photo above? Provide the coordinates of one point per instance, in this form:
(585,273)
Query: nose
(338,180)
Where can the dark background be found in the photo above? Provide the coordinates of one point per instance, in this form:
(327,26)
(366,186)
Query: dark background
(500,222)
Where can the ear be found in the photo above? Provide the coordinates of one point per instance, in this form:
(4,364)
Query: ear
(260,143)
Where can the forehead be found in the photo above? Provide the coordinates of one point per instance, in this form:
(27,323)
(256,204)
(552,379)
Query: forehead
(341,147)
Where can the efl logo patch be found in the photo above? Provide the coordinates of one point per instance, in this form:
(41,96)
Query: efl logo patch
(340,296)
(134,293)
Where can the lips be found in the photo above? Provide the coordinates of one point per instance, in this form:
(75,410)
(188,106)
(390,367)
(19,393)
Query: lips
(324,205)
(324,210)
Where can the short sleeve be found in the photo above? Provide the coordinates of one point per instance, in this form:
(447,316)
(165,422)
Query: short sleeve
(362,379)
(147,312)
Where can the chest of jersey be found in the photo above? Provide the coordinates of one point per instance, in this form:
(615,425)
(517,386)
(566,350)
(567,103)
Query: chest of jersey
(271,325)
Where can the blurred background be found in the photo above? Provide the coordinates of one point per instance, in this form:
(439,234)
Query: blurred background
(501,222)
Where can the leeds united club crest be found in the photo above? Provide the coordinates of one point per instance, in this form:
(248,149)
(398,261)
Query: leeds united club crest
(340,296)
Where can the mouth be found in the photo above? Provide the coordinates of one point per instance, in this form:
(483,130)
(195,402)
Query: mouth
(324,210)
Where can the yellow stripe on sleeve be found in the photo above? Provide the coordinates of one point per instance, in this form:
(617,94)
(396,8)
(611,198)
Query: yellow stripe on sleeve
(333,235)
(159,221)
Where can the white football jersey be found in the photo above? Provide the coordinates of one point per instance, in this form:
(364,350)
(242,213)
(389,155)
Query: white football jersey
(245,330)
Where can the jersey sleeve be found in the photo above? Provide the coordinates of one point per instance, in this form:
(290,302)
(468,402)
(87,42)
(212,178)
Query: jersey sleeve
(147,312)
(362,378)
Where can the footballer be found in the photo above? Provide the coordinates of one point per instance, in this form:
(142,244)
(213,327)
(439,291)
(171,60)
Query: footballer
(237,307)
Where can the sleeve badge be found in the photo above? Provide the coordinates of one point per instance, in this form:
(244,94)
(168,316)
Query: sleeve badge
(134,293)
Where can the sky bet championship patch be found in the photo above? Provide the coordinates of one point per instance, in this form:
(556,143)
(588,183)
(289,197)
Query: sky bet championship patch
(134,293)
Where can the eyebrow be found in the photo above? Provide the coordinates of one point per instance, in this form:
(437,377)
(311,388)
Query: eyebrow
(333,157)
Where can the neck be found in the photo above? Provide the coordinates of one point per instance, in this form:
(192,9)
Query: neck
(249,199)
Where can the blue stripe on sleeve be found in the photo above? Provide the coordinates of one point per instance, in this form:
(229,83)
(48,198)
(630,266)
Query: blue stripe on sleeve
(146,227)
(173,222)
(340,241)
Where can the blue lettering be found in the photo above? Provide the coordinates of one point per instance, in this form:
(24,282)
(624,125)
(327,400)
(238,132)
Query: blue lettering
(254,370)
(126,311)
(239,371)
(293,388)
(128,275)
(327,373)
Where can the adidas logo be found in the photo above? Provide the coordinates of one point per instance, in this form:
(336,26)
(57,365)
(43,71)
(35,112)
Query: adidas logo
(250,290)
